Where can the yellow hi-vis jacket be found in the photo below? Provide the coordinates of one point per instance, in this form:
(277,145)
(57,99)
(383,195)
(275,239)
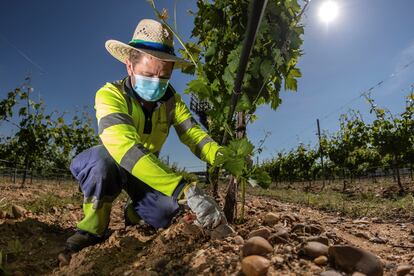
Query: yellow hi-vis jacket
(133,137)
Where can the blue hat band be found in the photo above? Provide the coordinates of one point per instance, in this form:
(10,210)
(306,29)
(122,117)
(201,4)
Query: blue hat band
(155,46)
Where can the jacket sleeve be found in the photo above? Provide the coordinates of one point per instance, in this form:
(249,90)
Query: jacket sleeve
(191,134)
(119,136)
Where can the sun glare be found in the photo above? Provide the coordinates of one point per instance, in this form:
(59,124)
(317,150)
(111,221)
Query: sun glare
(328,11)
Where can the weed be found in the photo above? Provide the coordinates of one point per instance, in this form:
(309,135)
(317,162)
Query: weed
(44,203)
(359,205)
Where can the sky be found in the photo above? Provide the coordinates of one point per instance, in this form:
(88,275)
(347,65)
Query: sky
(61,45)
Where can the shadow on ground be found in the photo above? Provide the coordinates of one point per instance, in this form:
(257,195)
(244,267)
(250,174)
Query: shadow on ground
(30,246)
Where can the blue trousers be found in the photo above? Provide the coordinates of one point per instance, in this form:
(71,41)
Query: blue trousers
(101,180)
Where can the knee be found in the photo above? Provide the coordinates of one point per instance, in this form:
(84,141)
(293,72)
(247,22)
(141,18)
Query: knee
(95,168)
(105,167)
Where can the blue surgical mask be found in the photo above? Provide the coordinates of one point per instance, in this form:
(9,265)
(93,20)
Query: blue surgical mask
(150,89)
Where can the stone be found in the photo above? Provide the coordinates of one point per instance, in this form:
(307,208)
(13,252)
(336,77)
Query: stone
(192,230)
(321,260)
(238,240)
(321,239)
(255,265)
(222,231)
(358,274)
(64,258)
(315,249)
(352,259)
(18,211)
(315,269)
(289,217)
(362,235)
(360,221)
(263,232)
(256,203)
(256,246)
(200,259)
(306,229)
(331,273)
(281,236)
(378,240)
(3,214)
(278,260)
(404,270)
(377,220)
(270,219)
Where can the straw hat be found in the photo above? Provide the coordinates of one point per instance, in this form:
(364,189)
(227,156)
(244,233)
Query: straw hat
(150,37)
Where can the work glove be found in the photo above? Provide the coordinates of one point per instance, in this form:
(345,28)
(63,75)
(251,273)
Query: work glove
(208,213)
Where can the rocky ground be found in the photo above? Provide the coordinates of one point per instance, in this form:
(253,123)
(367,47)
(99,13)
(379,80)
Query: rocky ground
(276,239)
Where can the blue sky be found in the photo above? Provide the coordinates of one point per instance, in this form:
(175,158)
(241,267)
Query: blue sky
(61,44)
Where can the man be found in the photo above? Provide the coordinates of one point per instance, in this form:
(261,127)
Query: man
(134,116)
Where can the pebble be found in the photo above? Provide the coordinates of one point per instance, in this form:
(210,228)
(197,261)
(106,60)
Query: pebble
(278,260)
(315,249)
(64,258)
(404,270)
(238,240)
(321,239)
(289,217)
(361,221)
(256,246)
(200,260)
(18,211)
(377,240)
(330,273)
(362,235)
(270,219)
(377,220)
(222,231)
(315,269)
(281,236)
(358,274)
(190,229)
(352,259)
(255,265)
(256,203)
(3,214)
(263,232)
(307,229)
(321,260)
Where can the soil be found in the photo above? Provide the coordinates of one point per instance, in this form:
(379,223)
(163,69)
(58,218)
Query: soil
(31,243)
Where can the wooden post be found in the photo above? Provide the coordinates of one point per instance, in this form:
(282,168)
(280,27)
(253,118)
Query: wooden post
(321,154)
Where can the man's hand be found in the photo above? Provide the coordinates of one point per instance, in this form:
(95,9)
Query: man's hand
(209,214)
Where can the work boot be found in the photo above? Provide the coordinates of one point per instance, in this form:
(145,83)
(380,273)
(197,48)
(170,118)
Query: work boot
(130,215)
(77,242)
(82,239)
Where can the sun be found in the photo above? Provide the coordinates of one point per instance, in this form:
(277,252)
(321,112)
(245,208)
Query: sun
(328,11)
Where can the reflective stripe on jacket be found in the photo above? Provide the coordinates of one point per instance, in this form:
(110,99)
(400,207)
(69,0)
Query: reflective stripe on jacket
(134,137)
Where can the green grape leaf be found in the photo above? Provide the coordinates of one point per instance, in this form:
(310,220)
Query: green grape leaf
(197,86)
(262,178)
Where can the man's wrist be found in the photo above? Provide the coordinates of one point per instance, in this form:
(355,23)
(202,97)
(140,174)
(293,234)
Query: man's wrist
(181,191)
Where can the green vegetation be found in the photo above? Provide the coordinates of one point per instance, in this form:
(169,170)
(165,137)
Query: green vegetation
(365,204)
(357,149)
(220,28)
(45,203)
(41,142)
